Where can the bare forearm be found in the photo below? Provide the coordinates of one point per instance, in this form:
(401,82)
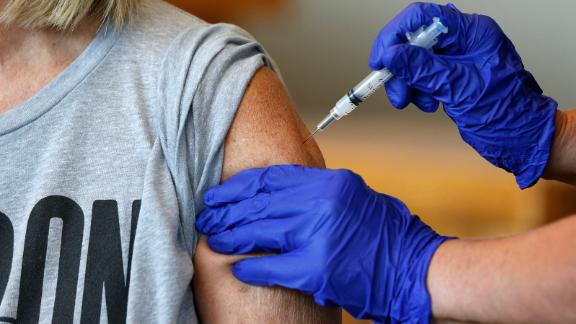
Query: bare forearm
(527,278)
(562,164)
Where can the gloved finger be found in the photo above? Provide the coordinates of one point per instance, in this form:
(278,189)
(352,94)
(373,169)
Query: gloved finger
(213,220)
(398,92)
(243,185)
(401,95)
(411,19)
(425,102)
(248,183)
(444,80)
(286,270)
(269,235)
(279,204)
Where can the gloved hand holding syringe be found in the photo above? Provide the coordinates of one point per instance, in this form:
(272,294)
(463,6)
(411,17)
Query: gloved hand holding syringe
(425,37)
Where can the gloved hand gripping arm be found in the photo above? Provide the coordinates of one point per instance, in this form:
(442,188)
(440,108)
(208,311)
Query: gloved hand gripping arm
(339,240)
(348,245)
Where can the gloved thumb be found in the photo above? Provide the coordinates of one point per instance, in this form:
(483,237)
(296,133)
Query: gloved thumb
(284,270)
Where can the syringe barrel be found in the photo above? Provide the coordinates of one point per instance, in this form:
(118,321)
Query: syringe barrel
(424,37)
(361,92)
(371,83)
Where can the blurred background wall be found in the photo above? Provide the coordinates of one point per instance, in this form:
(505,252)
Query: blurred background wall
(322,48)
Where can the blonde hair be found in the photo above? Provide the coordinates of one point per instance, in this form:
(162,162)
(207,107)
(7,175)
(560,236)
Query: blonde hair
(65,14)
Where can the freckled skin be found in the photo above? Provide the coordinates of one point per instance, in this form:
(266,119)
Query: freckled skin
(266,131)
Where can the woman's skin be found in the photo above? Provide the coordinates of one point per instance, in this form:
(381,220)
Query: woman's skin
(30,59)
(266,131)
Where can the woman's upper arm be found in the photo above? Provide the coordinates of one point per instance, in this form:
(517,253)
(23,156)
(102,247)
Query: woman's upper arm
(266,131)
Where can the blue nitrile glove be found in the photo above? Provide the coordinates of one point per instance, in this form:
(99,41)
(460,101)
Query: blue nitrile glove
(338,240)
(480,79)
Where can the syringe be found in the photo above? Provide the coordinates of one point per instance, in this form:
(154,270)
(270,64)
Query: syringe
(425,37)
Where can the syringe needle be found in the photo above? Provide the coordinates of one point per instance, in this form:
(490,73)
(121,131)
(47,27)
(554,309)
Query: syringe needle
(310,137)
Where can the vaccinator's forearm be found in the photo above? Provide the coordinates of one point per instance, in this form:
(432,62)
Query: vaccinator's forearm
(562,163)
(529,278)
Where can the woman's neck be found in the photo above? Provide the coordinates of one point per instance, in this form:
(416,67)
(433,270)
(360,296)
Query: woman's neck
(30,59)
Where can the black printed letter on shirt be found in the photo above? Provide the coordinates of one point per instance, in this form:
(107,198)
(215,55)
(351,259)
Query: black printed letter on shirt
(34,260)
(6,252)
(104,268)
